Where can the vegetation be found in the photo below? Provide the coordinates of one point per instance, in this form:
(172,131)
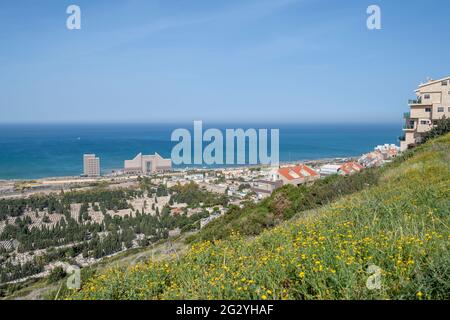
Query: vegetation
(10,272)
(71,237)
(108,199)
(400,225)
(56,274)
(442,128)
(283,204)
(193,196)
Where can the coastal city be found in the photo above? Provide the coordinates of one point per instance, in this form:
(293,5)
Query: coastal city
(99,205)
(224,159)
(263,179)
(238,185)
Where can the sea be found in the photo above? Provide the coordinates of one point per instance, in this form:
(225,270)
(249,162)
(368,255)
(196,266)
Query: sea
(32,151)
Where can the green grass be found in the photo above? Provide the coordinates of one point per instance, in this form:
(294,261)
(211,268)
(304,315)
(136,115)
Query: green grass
(399,224)
(284,204)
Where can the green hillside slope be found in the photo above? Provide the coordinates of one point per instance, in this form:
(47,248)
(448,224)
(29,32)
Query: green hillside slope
(400,227)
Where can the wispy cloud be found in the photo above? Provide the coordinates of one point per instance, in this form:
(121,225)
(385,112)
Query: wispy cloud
(234,14)
(254,10)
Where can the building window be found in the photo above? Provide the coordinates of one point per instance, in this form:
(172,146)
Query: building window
(440,109)
(427,96)
(444,83)
(427,109)
(448,109)
(148,166)
(423,122)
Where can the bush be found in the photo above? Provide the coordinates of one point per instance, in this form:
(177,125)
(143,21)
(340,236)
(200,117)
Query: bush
(442,128)
(56,274)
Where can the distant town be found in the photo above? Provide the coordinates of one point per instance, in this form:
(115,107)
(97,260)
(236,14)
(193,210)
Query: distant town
(158,186)
(93,216)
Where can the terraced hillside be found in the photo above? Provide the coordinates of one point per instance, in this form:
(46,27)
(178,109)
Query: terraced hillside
(388,241)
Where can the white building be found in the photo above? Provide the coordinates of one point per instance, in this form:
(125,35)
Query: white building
(205,221)
(342,169)
(195,177)
(91,165)
(329,169)
(388,151)
(147,164)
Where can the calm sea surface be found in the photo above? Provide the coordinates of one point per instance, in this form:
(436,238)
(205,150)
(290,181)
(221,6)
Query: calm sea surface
(36,151)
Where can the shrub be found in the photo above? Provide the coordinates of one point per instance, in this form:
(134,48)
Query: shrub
(442,128)
(56,274)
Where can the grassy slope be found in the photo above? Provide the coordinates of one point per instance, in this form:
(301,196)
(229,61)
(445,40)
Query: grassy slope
(401,225)
(283,204)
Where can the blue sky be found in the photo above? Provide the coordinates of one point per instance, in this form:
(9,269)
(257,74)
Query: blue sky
(242,61)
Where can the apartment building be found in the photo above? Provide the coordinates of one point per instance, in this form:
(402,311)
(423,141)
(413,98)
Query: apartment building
(296,175)
(264,188)
(91,165)
(432,104)
(342,169)
(147,164)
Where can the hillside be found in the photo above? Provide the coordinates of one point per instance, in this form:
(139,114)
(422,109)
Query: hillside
(400,225)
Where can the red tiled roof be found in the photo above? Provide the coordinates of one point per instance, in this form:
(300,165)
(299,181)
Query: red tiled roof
(287,172)
(350,167)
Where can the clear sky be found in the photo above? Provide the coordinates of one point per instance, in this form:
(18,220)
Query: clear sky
(213,60)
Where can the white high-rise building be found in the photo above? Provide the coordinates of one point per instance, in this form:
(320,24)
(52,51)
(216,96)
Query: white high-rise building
(91,165)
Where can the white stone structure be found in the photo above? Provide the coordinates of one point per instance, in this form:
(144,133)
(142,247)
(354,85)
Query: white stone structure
(147,164)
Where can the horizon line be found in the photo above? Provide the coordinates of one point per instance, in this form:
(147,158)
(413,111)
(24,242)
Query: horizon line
(192,121)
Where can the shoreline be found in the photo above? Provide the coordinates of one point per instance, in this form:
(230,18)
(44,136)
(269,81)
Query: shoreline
(110,172)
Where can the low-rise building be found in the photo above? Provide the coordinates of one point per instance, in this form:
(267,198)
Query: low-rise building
(147,164)
(371,159)
(342,169)
(388,151)
(296,175)
(329,169)
(264,188)
(197,177)
(350,168)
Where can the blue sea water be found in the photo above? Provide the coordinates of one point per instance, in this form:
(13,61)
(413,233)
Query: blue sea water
(30,151)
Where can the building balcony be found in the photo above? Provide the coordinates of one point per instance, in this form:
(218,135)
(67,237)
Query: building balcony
(407,115)
(409,127)
(415,101)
